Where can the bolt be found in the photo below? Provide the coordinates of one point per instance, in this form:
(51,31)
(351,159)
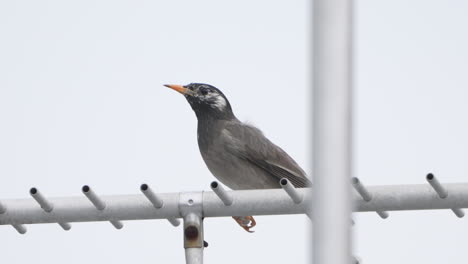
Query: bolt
(191,232)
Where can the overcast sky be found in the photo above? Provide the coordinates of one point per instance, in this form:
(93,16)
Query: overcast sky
(82,102)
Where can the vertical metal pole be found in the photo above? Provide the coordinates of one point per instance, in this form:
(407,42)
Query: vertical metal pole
(191,209)
(193,238)
(332,20)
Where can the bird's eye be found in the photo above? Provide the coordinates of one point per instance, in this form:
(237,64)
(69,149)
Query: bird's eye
(204,91)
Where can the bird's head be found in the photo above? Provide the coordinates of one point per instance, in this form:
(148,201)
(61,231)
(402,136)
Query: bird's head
(206,100)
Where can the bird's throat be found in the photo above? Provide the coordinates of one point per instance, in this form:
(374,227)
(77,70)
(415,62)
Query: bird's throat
(209,131)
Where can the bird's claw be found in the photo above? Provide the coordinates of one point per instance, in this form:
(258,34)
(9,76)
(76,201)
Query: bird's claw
(246,222)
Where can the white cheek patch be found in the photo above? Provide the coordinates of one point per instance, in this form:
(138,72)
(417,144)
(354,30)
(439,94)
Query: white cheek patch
(218,101)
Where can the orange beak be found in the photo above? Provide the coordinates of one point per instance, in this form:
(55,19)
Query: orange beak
(178,88)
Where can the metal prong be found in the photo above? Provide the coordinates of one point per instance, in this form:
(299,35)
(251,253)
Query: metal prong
(99,204)
(366,196)
(116,223)
(156,201)
(66,226)
(221,193)
(291,191)
(382,214)
(361,189)
(174,221)
(152,197)
(41,200)
(458,212)
(46,205)
(442,192)
(20,228)
(309,214)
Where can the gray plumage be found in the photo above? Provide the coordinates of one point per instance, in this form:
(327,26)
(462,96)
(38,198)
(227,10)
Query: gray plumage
(237,154)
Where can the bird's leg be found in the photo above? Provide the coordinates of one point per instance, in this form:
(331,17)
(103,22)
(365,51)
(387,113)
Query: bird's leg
(246,222)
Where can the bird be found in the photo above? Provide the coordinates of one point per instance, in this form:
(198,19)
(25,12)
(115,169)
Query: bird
(238,154)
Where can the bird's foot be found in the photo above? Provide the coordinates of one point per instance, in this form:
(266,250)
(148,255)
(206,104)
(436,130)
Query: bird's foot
(246,222)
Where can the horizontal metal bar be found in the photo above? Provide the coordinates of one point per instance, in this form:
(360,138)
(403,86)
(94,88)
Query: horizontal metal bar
(245,202)
(413,197)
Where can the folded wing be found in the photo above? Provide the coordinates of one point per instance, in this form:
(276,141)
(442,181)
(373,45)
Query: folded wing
(248,143)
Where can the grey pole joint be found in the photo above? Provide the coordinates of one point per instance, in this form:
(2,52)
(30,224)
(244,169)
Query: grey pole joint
(366,195)
(442,192)
(99,204)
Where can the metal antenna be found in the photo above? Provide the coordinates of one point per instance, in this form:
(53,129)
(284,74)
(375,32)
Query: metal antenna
(192,207)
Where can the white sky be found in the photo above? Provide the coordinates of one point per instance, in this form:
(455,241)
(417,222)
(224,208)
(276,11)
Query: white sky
(411,111)
(82,102)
